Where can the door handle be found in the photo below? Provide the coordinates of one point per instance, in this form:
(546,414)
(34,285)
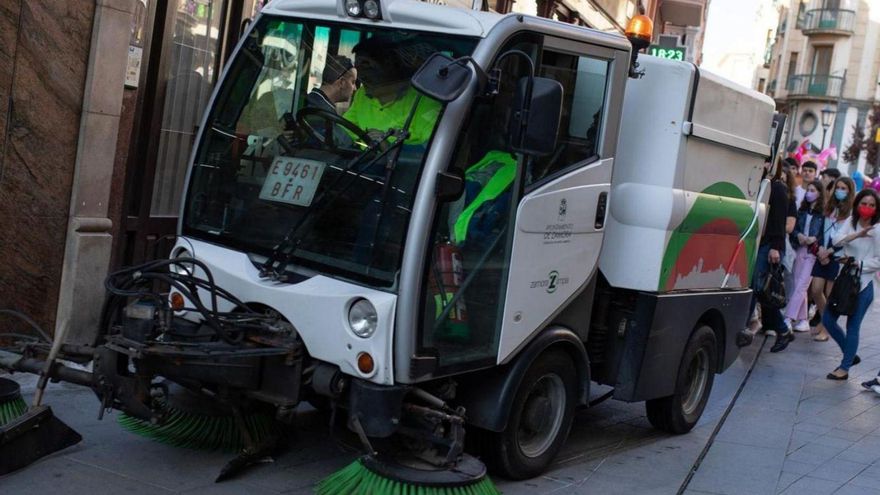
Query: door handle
(601,206)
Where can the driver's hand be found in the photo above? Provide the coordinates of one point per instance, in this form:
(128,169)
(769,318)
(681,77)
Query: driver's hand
(376,135)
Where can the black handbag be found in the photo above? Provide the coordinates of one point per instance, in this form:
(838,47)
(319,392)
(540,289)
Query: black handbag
(845,294)
(772,287)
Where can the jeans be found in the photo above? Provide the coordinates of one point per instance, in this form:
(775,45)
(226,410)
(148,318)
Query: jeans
(849,341)
(771,318)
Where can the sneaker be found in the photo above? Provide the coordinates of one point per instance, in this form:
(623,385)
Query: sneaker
(870,384)
(876,389)
(801,326)
(782,341)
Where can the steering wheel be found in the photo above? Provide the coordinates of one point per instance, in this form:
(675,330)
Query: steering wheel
(330,118)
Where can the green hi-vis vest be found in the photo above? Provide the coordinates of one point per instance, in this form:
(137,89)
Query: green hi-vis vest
(369,113)
(500,180)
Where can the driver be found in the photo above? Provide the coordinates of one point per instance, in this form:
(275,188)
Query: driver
(385,99)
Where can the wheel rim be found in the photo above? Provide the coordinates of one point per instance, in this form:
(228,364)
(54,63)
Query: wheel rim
(697,378)
(542,416)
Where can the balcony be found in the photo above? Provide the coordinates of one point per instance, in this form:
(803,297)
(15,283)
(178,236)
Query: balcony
(683,12)
(815,86)
(828,21)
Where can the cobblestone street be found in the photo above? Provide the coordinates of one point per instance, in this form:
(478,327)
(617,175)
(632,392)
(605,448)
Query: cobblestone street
(791,431)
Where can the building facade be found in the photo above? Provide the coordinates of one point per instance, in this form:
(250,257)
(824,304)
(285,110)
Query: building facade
(825,56)
(99,100)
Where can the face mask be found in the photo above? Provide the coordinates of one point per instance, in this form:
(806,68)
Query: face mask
(866,211)
(811,196)
(840,194)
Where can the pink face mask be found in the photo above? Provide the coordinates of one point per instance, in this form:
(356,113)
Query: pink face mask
(811,196)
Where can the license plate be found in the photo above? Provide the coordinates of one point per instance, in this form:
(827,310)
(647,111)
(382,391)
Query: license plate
(292,180)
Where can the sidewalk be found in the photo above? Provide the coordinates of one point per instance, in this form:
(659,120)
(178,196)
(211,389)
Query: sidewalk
(791,431)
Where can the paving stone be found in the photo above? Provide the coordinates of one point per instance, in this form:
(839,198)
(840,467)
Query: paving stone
(795,467)
(736,468)
(844,434)
(866,480)
(815,453)
(838,470)
(785,480)
(812,486)
(856,490)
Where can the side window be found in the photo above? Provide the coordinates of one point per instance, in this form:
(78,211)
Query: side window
(583,80)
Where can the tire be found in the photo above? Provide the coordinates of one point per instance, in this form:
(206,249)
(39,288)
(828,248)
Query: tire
(540,419)
(679,412)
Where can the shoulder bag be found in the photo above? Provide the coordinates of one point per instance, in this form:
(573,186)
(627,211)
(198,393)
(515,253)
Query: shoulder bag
(845,293)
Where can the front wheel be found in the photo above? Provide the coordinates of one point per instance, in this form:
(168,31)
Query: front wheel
(679,412)
(540,418)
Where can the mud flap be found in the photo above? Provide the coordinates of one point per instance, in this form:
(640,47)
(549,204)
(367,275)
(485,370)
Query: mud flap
(34,435)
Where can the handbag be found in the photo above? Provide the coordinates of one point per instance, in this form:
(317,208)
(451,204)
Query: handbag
(772,287)
(844,295)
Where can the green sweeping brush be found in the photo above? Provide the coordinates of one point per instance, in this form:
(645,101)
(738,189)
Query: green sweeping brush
(199,424)
(374,475)
(11,403)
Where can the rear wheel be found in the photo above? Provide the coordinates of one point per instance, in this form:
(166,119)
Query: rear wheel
(679,412)
(540,418)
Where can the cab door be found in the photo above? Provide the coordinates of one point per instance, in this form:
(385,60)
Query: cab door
(525,235)
(560,218)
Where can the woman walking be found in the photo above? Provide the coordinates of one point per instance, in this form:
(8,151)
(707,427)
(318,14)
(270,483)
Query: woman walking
(770,252)
(805,239)
(859,244)
(838,208)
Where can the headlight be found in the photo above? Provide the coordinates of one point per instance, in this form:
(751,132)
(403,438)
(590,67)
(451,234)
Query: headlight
(353,7)
(371,8)
(362,318)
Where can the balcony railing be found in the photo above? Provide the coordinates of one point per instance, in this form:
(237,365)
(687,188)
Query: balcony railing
(816,85)
(828,21)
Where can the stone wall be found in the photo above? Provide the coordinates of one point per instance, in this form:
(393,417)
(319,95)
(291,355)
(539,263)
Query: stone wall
(44,52)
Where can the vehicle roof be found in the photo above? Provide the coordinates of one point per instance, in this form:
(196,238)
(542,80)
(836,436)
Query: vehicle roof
(424,16)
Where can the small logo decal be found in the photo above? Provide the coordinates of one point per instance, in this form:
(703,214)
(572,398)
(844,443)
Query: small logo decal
(553,276)
(563,209)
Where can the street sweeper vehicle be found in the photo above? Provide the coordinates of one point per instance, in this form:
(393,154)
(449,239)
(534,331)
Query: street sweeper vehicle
(508,211)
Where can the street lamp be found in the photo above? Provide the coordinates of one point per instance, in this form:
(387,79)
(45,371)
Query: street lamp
(827,118)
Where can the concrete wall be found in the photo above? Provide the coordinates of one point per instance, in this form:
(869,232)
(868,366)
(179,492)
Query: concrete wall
(62,64)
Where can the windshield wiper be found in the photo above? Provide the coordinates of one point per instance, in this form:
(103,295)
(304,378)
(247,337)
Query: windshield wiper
(390,165)
(276,264)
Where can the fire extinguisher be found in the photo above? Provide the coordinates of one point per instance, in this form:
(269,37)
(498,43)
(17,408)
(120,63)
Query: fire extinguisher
(445,280)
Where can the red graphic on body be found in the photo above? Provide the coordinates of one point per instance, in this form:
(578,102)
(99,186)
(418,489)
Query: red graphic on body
(714,245)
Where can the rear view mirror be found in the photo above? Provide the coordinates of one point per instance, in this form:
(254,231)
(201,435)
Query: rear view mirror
(442,77)
(534,127)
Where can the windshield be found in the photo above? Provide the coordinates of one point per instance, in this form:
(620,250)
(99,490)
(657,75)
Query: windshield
(314,146)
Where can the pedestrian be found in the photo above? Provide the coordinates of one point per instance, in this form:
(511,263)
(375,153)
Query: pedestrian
(838,208)
(828,176)
(790,220)
(805,240)
(808,175)
(860,244)
(770,251)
